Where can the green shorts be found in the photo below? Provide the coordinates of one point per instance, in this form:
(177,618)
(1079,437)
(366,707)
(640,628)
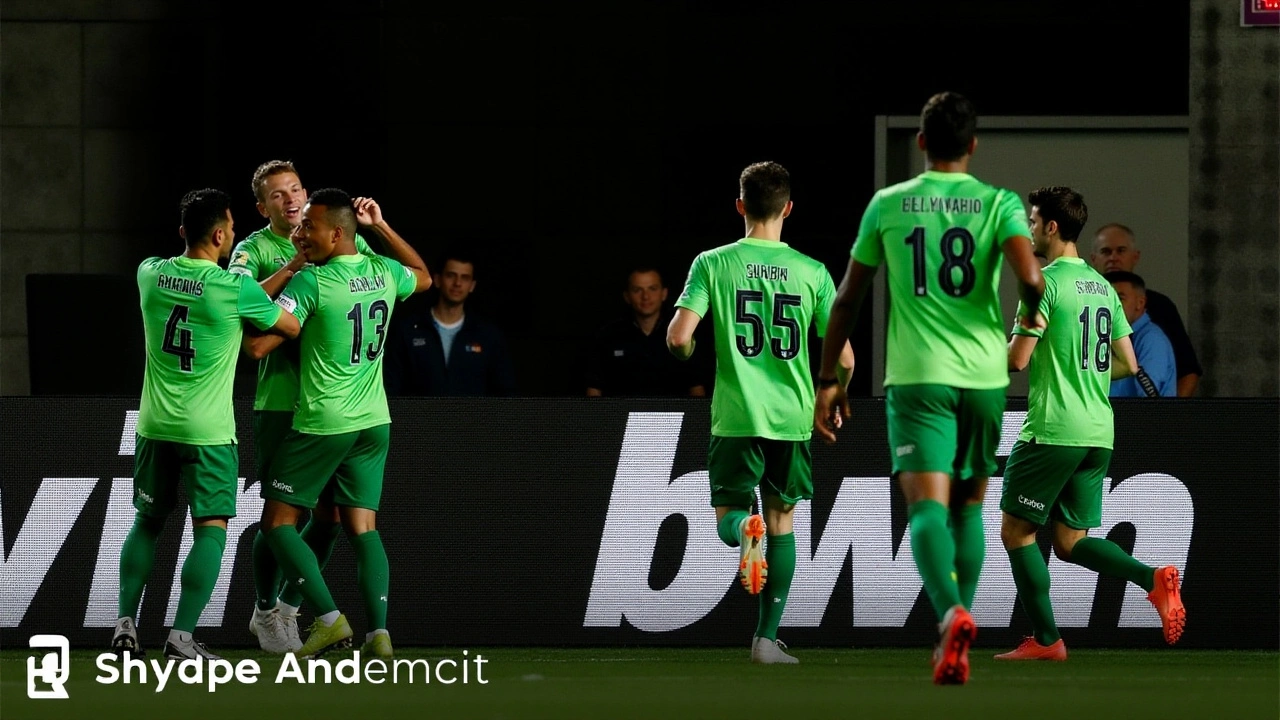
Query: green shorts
(353,462)
(210,474)
(938,428)
(270,428)
(1065,483)
(737,465)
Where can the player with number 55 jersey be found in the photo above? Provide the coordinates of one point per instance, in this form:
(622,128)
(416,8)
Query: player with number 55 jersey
(763,297)
(193,314)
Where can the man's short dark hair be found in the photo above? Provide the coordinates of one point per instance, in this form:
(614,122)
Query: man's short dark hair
(338,208)
(1061,205)
(1124,276)
(765,189)
(948,122)
(642,268)
(458,255)
(202,212)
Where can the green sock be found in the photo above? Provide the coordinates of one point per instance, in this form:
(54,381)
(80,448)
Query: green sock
(199,575)
(1107,558)
(320,537)
(780,553)
(266,572)
(373,575)
(727,528)
(299,565)
(971,546)
(934,551)
(1031,576)
(137,557)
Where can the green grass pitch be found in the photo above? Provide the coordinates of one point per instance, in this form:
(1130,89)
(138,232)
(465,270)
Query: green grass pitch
(699,683)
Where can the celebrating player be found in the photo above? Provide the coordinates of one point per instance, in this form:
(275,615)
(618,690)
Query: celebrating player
(193,313)
(1056,468)
(269,257)
(941,236)
(341,429)
(760,412)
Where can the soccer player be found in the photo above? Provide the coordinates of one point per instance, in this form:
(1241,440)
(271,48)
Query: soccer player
(341,428)
(193,313)
(763,296)
(940,236)
(269,257)
(1056,468)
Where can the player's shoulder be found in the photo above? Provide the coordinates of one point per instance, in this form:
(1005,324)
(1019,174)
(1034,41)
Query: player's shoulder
(152,263)
(256,240)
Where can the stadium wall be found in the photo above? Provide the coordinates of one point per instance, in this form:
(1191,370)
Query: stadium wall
(581,522)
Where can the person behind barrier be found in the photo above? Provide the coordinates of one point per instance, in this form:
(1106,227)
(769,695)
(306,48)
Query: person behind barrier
(1155,352)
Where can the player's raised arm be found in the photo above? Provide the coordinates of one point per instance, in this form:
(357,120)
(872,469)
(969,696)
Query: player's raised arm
(369,214)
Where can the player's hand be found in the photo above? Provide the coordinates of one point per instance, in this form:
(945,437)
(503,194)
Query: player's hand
(830,408)
(298,262)
(1039,323)
(367,211)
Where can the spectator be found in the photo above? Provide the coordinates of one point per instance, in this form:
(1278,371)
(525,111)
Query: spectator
(441,350)
(1155,353)
(629,356)
(1116,248)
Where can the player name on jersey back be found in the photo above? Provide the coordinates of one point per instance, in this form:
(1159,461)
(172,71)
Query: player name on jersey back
(366,284)
(179,284)
(1092,287)
(757,271)
(939,204)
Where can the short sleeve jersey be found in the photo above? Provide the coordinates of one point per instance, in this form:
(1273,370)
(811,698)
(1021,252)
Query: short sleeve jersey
(259,256)
(192,315)
(344,307)
(939,236)
(1071,364)
(764,296)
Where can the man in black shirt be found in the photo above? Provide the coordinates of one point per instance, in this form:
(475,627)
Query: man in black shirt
(629,356)
(440,350)
(1116,248)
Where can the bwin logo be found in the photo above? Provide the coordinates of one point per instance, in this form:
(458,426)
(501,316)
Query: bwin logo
(1031,503)
(282,487)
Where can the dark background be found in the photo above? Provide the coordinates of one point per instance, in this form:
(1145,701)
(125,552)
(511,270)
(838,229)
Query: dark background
(558,146)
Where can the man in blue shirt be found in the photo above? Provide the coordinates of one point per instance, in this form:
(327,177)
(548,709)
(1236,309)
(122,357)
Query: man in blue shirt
(1150,344)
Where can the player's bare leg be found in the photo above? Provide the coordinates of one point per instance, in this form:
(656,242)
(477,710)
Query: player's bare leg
(738,528)
(929,495)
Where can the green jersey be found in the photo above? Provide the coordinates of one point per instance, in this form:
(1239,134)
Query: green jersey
(261,255)
(345,309)
(192,314)
(1071,365)
(939,236)
(763,296)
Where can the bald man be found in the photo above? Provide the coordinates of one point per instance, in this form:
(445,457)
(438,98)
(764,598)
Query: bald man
(1116,248)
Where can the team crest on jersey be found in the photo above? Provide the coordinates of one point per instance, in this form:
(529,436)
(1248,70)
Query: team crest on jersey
(240,258)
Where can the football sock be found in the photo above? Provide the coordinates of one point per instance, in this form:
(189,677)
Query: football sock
(1107,558)
(320,537)
(266,572)
(199,575)
(373,575)
(934,551)
(780,553)
(966,530)
(727,528)
(299,564)
(1031,576)
(137,557)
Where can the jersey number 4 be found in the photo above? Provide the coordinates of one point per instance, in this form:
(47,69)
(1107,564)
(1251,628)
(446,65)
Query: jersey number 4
(177,340)
(957,254)
(751,344)
(379,311)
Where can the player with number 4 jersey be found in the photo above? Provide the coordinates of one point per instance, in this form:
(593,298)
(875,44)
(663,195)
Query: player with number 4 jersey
(193,314)
(764,296)
(342,427)
(1056,469)
(941,237)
